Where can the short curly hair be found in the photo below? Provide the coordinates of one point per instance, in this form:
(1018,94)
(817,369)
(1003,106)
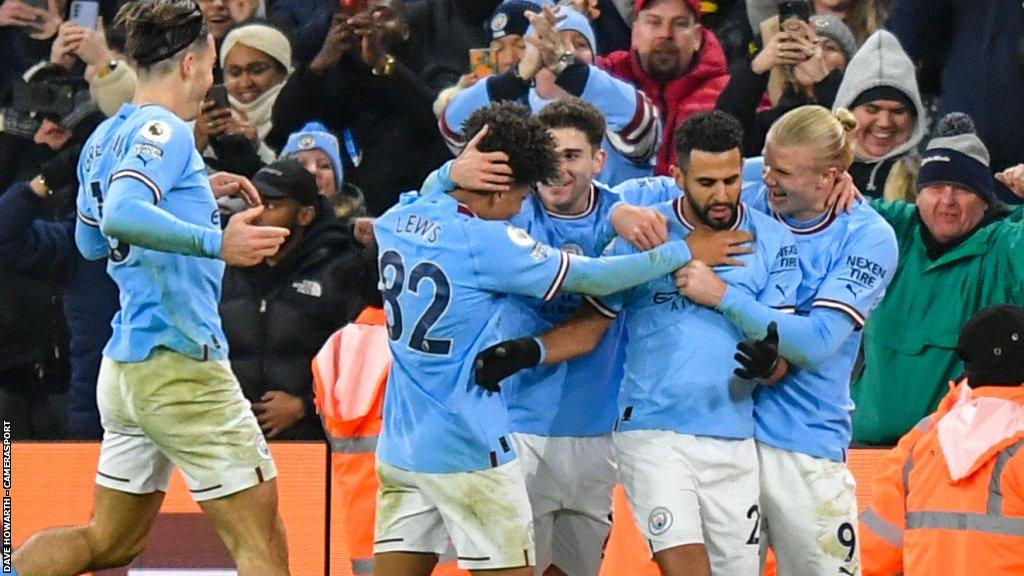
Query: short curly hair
(520,135)
(711,131)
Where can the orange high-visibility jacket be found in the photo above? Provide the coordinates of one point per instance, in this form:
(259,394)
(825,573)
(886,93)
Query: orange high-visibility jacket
(949,498)
(349,377)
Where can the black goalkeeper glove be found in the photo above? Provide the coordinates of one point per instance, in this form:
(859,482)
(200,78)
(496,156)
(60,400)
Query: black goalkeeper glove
(504,359)
(758,358)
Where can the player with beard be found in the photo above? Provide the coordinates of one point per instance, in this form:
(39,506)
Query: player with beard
(674,60)
(685,424)
(848,259)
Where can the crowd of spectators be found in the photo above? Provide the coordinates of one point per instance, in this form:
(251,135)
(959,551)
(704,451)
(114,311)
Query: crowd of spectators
(335,108)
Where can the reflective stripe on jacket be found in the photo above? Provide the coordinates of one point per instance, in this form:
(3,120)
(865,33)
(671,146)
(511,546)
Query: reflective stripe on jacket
(349,376)
(949,498)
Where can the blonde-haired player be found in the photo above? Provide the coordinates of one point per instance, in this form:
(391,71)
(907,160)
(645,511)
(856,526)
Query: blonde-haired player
(802,428)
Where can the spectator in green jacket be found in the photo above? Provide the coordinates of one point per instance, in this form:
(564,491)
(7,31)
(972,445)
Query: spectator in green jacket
(961,249)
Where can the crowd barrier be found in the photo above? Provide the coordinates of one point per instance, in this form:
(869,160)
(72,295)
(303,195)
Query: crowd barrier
(51,484)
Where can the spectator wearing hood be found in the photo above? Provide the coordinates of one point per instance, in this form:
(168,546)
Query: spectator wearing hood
(277,314)
(817,63)
(675,61)
(256,60)
(948,499)
(971,54)
(374,97)
(880,88)
(633,132)
(318,151)
(959,252)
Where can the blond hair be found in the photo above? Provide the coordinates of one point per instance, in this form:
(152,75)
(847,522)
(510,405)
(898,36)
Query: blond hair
(828,132)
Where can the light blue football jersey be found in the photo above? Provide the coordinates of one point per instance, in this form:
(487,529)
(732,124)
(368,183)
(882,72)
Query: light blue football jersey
(167,299)
(444,273)
(679,356)
(847,262)
(578,397)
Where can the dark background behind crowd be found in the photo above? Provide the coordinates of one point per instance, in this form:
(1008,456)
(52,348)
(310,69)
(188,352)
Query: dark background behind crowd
(352,91)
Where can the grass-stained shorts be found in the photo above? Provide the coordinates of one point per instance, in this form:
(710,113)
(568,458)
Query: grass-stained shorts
(171,410)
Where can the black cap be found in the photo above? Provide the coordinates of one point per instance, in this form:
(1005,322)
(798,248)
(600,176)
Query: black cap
(287,178)
(991,345)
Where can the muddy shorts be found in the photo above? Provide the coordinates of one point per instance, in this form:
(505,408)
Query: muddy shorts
(810,513)
(171,410)
(570,482)
(485,513)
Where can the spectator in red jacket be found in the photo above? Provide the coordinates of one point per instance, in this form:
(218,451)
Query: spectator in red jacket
(675,61)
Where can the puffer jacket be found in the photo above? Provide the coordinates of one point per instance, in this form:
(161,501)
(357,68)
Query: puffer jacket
(276,318)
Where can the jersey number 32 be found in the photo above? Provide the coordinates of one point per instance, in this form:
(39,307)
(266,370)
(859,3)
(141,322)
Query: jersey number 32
(393,287)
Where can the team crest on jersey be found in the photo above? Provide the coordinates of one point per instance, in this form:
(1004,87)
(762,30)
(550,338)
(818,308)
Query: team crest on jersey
(307,142)
(262,448)
(659,521)
(156,131)
(571,248)
(520,237)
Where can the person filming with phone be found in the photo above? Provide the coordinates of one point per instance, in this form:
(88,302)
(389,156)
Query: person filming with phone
(26,29)
(256,59)
(366,86)
(801,62)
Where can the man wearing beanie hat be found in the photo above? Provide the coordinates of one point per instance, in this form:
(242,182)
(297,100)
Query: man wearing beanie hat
(953,484)
(564,69)
(675,61)
(880,88)
(959,252)
(277,314)
(971,54)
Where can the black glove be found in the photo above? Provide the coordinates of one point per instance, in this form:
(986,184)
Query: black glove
(758,358)
(504,359)
(62,169)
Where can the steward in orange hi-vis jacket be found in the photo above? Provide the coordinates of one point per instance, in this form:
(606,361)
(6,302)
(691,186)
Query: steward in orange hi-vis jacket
(949,499)
(349,376)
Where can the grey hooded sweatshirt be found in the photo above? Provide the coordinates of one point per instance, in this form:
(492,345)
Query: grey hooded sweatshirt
(881,61)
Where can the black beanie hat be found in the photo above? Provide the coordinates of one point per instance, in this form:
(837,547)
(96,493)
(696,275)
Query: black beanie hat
(885,93)
(991,345)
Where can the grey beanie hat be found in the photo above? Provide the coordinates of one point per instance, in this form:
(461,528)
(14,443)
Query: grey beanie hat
(833,28)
